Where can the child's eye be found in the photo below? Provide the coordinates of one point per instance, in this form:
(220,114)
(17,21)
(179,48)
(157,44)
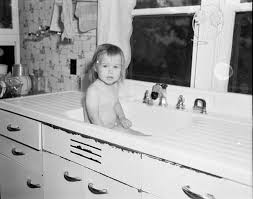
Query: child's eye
(116,66)
(104,65)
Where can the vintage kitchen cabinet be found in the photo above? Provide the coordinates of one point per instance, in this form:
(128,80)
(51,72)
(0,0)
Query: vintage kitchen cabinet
(164,179)
(21,172)
(84,169)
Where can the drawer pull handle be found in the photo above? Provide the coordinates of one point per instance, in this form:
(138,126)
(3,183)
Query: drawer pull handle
(71,179)
(12,129)
(192,195)
(96,191)
(17,153)
(31,185)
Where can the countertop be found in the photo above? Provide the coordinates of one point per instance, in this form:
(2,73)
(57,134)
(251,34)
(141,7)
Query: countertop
(224,149)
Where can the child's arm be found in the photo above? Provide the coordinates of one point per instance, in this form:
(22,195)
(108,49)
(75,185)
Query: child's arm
(91,103)
(121,116)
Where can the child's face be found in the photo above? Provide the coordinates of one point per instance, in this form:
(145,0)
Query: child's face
(109,68)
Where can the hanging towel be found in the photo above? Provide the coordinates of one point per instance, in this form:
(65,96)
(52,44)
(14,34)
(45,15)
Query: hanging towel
(62,19)
(67,19)
(115,24)
(86,12)
(55,20)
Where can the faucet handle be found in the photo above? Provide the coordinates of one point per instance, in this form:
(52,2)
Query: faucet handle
(200,105)
(180,102)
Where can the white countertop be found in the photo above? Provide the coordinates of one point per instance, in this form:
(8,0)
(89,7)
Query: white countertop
(227,153)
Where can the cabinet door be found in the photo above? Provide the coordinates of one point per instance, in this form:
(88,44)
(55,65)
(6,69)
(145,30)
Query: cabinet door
(101,187)
(62,178)
(166,180)
(17,182)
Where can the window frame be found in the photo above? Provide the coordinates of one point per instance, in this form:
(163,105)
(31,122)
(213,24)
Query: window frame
(206,55)
(10,37)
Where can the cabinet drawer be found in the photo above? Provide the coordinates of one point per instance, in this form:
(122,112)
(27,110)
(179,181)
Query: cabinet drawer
(26,156)
(22,129)
(99,186)
(165,180)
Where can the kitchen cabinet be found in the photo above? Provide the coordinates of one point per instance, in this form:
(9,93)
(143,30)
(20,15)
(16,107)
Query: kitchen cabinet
(62,178)
(102,187)
(21,172)
(65,179)
(164,179)
(18,182)
(123,165)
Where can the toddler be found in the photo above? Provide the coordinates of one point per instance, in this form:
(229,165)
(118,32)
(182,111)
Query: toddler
(106,72)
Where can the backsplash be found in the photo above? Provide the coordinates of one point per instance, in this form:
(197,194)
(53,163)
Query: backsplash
(50,54)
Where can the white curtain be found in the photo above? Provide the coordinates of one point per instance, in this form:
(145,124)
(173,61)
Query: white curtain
(115,24)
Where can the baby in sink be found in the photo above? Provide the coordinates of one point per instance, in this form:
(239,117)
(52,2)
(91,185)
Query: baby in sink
(102,105)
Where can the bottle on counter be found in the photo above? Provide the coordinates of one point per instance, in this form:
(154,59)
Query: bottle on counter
(38,81)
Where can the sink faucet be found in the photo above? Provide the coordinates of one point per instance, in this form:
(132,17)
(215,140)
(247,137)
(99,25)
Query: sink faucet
(200,105)
(180,102)
(158,93)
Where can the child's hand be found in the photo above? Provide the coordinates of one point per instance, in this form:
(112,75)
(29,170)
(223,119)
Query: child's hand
(125,123)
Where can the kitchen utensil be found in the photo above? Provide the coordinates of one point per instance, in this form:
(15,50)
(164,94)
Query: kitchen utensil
(19,70)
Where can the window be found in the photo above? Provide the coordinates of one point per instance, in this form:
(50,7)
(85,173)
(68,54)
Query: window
(163,44)
(193,44)
(162,41)
(165,3)
(241,58)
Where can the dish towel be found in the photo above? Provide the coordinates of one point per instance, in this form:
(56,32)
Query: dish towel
(63,13)
(115,24)
(55,20)
(86,12)
(67,19)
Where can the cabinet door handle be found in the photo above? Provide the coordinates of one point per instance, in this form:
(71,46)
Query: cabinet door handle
(31,185)
(71,179)
(96,191)
(12,129)
(192,195)
(17,153)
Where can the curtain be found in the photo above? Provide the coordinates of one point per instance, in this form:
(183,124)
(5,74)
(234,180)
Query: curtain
(115,24)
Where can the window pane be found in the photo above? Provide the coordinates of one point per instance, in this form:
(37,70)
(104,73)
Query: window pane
(161,48)
(241,59)
(5,14)
(165,3)
(244,1)
(7,56)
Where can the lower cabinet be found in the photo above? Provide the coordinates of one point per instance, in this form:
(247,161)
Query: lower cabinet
(67,180)
(62,178)
(18,182)
(102,187)
(165,180)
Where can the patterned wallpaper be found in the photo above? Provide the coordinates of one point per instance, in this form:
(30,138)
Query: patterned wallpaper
(51,55)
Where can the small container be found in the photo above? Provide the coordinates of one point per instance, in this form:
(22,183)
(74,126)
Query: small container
(19,70)
(38,81)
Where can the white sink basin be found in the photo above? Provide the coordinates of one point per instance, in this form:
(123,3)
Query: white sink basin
(147,119)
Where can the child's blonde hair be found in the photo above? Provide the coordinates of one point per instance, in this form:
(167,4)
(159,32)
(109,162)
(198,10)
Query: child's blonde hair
(109,50)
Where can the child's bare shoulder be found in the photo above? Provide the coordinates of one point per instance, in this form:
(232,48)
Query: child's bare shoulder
(92,89)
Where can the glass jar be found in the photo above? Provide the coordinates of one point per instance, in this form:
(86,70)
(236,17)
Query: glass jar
(38,81)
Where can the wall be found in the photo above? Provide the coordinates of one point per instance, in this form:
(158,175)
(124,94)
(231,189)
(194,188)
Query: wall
(50,54)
